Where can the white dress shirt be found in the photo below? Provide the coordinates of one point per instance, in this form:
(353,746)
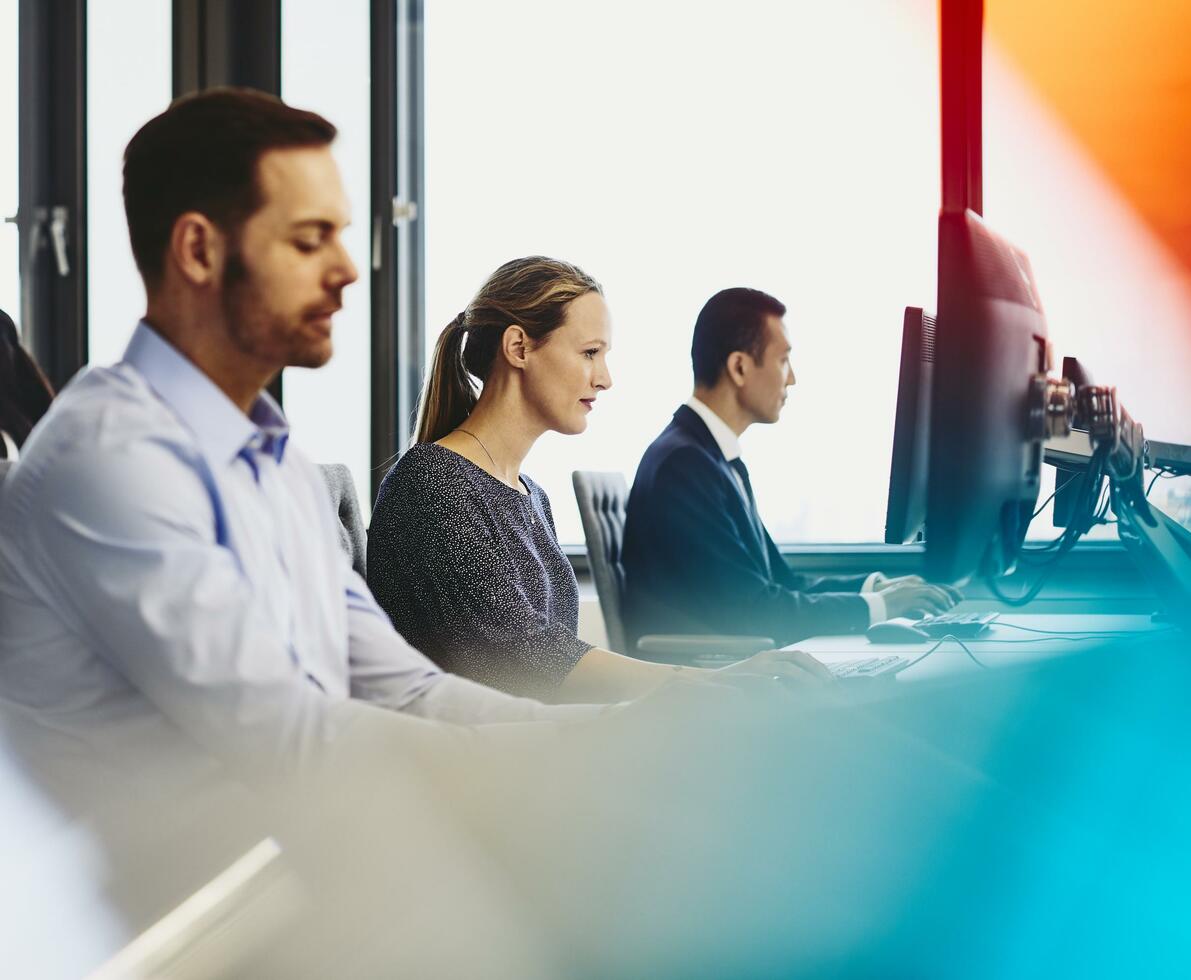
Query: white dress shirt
(729,444)
(170,570)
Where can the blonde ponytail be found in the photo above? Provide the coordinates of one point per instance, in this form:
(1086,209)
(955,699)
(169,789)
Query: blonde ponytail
(449,393)
(532,293)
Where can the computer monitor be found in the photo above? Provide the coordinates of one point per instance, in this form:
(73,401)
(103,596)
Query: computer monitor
(984,466)
(905,511)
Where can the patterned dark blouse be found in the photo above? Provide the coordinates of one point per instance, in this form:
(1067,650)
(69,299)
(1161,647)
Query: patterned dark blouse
(471,573)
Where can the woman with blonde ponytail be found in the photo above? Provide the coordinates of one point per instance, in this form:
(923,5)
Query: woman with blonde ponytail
(449,394)
(462,551)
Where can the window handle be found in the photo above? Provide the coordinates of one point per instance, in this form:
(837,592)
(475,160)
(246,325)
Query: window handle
(404,211)
(35,229)
(58,218)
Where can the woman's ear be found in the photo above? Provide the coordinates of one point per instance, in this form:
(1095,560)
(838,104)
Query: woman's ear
(514,345)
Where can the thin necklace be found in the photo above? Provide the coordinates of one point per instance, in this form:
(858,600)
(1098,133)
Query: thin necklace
(486,453)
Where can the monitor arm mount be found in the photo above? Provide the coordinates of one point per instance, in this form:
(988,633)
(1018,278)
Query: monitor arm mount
(1085,427)
(1079,422)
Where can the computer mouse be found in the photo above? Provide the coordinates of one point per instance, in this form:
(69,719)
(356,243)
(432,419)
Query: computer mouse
(896,631)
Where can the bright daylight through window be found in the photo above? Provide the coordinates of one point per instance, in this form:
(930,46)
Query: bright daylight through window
(672,151)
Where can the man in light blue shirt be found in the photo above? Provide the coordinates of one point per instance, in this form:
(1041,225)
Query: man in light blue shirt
(170,573)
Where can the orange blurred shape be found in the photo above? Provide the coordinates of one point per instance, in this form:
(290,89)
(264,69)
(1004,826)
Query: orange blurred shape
(1119,77)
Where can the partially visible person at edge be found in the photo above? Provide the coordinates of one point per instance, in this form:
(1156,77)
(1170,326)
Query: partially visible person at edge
(25,394)
(697,556)
(462,550)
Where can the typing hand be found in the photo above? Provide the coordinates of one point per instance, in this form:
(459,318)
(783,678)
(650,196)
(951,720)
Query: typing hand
(790,665)
(910,594)
(883,582)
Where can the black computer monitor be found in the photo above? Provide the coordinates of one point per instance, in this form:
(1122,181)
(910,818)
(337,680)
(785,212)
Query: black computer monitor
(984,467)
(905,511)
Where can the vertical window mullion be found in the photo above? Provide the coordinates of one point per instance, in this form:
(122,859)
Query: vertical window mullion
(397,261)
(224,42)
(52,216)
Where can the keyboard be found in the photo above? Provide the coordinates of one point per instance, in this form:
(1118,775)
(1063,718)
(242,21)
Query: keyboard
(963,626)
(867,667)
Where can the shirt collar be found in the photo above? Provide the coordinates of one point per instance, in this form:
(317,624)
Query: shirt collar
(222,431)
(724,437)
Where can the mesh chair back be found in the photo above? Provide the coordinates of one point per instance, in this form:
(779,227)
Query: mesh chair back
(353,536)
(603,499)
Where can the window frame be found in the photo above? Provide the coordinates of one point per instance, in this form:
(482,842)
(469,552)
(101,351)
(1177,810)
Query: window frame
(398,265)
(52,193)
(221,42)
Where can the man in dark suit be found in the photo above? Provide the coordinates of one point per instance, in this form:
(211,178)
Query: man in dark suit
(697,558)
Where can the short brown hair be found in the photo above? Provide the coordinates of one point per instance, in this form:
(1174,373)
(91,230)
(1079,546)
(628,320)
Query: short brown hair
(201,155)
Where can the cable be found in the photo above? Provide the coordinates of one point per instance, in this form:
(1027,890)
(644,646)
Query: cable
(1031,593)
(1054,493)
(971,656)
(1042,554)
(1048,639)
(1083,634)
(1078,525)
(1102,509)
(922,656)
(1028,596)
(1160,472)
(1089,510)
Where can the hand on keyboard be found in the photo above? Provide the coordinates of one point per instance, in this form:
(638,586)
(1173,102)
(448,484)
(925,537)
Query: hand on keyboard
(882,582)
(910,594)
(963,626)
(789,665)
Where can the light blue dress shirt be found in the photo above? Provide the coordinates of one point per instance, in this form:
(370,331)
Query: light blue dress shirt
(170,571)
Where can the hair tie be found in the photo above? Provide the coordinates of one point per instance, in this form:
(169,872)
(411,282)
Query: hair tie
(458,321)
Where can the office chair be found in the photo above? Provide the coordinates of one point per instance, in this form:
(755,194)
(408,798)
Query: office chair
(603,500)
(353,536)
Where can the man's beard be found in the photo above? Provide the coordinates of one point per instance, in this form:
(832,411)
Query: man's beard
(255,332)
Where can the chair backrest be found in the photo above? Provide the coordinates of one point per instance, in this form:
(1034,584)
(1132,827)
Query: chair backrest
(5,466)
(353,536)
(603,500)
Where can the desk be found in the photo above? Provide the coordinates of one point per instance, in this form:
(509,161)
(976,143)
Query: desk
(1007,642)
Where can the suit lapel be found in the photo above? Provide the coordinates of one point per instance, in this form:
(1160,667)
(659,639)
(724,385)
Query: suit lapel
(690,423)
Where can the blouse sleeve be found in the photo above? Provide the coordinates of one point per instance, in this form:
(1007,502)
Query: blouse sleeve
(449,586)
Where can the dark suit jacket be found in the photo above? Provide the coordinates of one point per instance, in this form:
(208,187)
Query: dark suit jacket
(695,562)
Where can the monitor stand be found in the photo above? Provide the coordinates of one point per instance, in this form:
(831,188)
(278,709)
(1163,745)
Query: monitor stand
(1161,549)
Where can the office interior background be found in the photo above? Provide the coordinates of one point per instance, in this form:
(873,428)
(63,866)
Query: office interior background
(670,151)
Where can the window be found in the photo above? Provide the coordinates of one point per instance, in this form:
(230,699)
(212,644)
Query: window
(128,82)
(1086,153)
(10,283)
(325,67)
(674,150)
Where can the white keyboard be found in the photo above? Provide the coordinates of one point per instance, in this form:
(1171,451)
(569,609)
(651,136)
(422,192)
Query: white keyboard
(867,667)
